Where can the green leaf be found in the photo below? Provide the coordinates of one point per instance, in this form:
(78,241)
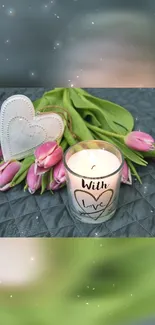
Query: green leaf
(127,153)
(55,94)
(20,176)
(69,137)
(51,178)
(117,117)
(64,144)
(44,182)
(91,118)
(87,110)
(40,103)
(134,171)
(130,154)
(79,127)
(25,187)
(53,97)
(149,154)
(120,115)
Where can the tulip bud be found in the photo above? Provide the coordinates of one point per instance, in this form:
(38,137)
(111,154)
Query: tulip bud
(33,181)
(59,173)
(7,172)
(139,141)
(59,177)
(126,174)
(48,154)
(54,186)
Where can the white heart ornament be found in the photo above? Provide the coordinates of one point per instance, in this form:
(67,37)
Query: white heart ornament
(22,131)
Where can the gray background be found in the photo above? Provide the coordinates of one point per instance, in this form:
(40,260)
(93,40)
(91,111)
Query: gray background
(35,35)
(25,215)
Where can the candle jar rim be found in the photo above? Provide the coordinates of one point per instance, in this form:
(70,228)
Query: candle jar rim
(93,141)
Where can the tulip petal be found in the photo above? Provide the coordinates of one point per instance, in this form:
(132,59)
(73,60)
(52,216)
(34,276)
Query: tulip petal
(127,181)
(53,186)
(59,177)
(33,180)
(5,187)
(62,180)
(139,141)
(8,173)
(126,174)
(4,165)
(45,150)
(40,170)
(59,172)
(54,158)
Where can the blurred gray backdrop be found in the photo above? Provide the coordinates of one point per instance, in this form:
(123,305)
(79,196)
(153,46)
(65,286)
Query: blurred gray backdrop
(77,43)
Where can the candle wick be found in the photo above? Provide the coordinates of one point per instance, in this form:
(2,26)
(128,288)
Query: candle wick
(93,166)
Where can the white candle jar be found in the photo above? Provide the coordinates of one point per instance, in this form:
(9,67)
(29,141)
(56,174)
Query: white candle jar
(93,174)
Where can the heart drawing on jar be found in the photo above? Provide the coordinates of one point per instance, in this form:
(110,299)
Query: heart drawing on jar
(93,206)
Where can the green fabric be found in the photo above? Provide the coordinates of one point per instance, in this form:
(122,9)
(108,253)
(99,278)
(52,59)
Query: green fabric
(121,271)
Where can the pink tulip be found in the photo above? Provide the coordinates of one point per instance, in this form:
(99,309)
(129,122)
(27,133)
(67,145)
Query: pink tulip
(54,186)
(48,154)
(126,174)
(59,173)
(139,141)
(33,181)
(7,172)
(59,177)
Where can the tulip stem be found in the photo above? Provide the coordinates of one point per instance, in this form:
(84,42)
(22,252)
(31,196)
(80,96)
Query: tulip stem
(25,187)
(134,171)
(111,134)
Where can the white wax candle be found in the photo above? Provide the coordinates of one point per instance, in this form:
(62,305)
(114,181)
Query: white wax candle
(93,197)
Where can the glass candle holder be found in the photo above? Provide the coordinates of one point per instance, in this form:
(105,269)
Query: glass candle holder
(93,175)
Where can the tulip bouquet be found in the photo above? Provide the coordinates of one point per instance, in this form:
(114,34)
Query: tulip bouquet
(86,118)
(45,170)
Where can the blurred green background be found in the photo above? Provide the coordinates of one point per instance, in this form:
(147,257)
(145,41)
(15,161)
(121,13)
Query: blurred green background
(76,281)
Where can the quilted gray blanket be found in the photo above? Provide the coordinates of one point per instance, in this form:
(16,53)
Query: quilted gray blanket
(25,215)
